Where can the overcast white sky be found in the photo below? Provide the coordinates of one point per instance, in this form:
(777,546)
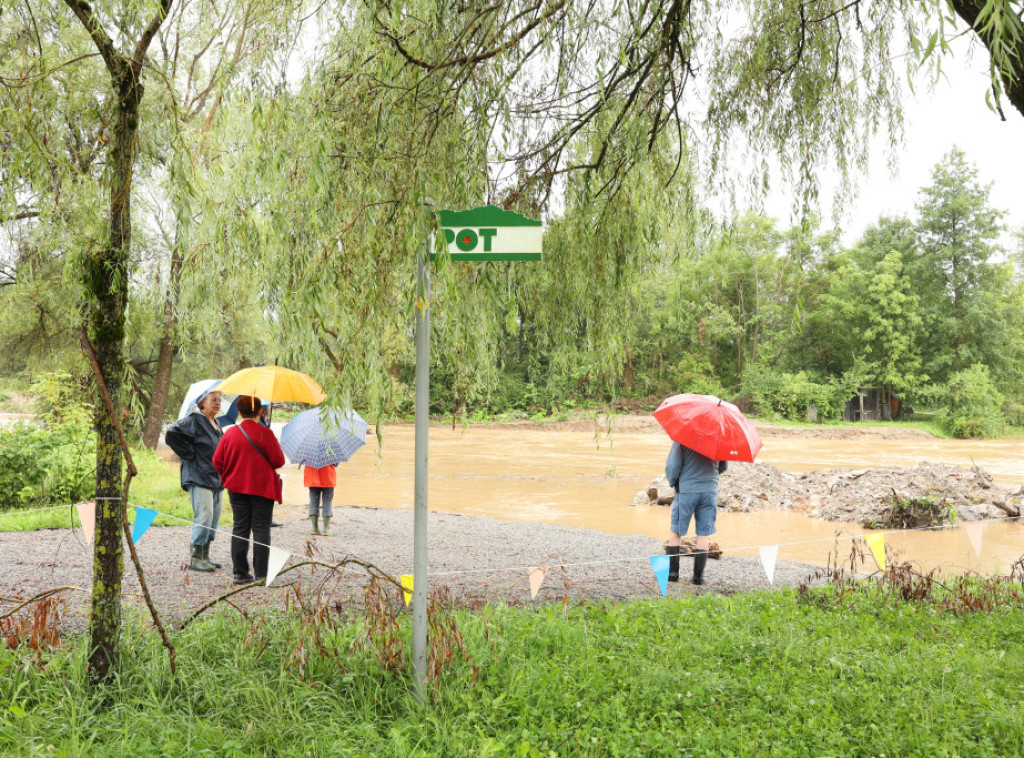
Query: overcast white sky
(953,113)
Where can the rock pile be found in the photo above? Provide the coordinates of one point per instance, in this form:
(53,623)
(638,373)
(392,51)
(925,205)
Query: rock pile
(855,496)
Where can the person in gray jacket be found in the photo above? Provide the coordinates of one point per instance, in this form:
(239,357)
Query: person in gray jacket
(695,479)
(195,438)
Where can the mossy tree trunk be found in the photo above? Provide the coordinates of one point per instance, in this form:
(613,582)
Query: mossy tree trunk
(106,282)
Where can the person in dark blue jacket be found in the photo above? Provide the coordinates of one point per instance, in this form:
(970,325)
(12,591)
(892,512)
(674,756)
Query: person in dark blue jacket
(195,438)
(695,479)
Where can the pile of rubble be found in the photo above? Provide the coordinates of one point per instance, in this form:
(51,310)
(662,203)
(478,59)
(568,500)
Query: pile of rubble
(855,496)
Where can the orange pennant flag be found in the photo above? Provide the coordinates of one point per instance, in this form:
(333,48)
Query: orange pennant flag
(973,530)
(537,575)
(87,515)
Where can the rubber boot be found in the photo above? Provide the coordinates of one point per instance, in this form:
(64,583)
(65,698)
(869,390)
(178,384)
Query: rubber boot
(700,560)
(197,563)
(326,532)
(315,520)
(673,562)
(207,558)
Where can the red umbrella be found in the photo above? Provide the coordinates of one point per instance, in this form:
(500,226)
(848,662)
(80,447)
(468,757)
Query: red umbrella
(710,426)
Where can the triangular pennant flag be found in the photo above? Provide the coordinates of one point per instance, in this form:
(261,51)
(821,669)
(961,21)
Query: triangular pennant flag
(974,533)
(275,562)
(877,544)
(407,587)
(537,575)
(144,518)
(660,565)
(768,555)
(87,515)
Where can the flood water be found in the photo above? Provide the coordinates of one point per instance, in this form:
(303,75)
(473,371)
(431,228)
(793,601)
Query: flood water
(573,478)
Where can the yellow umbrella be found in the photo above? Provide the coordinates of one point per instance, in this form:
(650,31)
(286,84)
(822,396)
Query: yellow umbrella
(273,383)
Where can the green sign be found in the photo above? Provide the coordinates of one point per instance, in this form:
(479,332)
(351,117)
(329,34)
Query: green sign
(489,233)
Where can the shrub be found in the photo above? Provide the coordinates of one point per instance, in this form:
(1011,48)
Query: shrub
(790,395)
(45,466)
(973,404)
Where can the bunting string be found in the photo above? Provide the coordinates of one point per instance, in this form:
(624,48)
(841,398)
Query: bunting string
(536,574)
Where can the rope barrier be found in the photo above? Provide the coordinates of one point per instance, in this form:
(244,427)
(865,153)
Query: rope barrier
(584,564)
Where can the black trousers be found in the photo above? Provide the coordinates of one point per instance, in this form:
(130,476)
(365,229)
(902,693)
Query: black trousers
(252,515)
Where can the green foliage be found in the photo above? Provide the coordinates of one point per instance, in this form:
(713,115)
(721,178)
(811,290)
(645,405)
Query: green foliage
(974,406)
(789,396)
(45,466)
(914,513)
(779,675)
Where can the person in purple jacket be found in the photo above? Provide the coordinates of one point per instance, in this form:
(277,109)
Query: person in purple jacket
(695,480)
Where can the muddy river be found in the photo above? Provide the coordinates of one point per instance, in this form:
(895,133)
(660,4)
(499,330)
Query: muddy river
(569,477)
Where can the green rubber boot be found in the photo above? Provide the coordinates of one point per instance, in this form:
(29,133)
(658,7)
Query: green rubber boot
(206,556)
(197,563)
(327,527)
(315,520)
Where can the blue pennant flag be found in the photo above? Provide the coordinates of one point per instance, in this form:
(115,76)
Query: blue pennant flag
(660,565)
(144,518)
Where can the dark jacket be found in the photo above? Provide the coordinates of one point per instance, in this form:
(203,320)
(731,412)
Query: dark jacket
(194,439)
(689,472)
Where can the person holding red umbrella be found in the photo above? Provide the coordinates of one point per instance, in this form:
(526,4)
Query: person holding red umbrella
(706,432)
(695,479)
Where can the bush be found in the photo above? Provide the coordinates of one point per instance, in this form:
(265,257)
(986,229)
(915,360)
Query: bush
(974,406)
(789,396)
(49,466)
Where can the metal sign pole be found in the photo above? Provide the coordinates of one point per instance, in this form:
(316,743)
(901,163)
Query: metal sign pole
(419,570)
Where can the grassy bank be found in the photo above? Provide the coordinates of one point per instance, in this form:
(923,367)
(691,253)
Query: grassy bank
(759,674)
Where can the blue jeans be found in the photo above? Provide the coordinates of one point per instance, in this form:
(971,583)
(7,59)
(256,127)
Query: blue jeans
(703,505)
(206,507)
(321,496)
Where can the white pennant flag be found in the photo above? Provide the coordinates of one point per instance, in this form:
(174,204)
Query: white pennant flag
(275,563)
(87,515)
(973,530)
(768,555)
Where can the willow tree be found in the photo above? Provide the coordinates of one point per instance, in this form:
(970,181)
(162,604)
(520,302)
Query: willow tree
(76,127)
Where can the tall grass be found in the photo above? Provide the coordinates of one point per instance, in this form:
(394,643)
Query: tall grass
(758,674)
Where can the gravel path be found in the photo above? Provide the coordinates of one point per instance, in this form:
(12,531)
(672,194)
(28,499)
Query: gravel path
(479,559)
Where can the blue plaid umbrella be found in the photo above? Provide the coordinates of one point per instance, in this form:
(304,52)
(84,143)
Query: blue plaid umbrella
(319,437)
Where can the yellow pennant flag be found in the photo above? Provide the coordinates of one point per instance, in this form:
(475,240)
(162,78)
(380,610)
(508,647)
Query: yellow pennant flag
(407,587)
(877,544)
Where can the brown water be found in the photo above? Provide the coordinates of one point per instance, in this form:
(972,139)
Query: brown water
(576,479)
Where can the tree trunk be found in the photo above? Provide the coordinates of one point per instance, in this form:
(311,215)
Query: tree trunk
(107,284)
(165,361)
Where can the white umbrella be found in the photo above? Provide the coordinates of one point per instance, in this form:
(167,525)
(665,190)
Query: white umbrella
(194,391)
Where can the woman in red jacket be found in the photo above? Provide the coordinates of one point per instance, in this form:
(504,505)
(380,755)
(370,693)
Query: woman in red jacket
(247,459)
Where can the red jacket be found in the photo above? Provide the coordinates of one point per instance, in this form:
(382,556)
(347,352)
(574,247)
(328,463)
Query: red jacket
(242,469)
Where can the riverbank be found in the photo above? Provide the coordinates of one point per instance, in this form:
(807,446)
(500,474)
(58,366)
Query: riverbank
(478,559)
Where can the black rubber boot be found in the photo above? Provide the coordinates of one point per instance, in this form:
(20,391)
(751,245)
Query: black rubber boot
(207,558)
(197,563)
(673,562)
(700,560)
(239,579)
